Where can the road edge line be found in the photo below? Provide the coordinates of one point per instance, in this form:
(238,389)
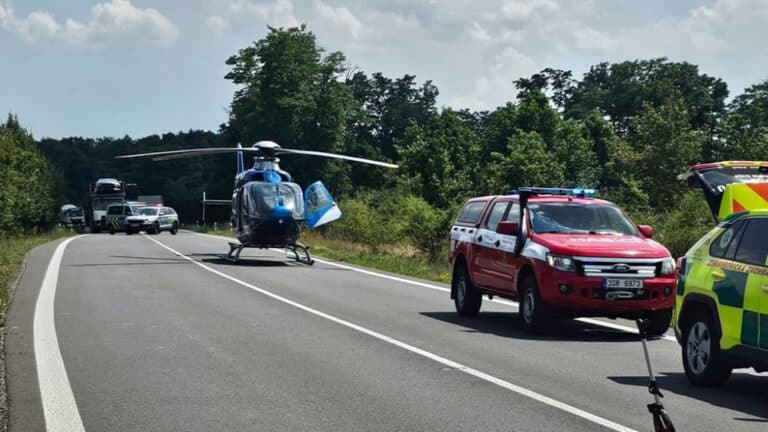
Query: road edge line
(435,357)
(59,405)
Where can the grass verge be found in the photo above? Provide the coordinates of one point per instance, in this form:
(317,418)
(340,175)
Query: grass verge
(12,253)
(403,260)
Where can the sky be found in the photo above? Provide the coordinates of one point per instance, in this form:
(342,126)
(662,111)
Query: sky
(107,68)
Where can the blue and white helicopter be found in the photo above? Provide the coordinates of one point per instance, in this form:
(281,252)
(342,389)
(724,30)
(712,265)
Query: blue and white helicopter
(268,208)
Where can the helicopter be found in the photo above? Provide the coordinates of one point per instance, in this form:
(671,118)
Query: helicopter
(268,208)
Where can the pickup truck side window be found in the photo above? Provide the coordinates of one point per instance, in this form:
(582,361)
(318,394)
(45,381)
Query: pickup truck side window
(497,213)
(514,213)
(471,212)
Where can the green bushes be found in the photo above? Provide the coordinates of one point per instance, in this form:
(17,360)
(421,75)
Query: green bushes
(387,218)
(681,227)
(29,187)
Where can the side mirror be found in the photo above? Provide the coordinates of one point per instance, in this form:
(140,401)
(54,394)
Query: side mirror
(646,231)
(508,228)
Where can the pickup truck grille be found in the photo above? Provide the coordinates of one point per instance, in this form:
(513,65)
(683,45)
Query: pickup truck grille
(617,268)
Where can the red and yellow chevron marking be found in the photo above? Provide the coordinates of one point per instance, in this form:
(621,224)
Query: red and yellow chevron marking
(741,197)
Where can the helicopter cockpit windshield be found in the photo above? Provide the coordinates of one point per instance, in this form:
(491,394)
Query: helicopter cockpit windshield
(266,201)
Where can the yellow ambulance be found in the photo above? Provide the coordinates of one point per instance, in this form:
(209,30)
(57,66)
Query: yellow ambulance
(721,310)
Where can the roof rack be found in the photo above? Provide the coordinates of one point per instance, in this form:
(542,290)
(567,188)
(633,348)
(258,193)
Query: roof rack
(578,192)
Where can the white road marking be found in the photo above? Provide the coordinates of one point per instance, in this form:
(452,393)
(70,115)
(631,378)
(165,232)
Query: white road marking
(59,406)
(442,360)
(509,303)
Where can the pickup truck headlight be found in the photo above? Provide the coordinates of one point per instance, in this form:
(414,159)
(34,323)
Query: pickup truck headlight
(561,263)
(668,266)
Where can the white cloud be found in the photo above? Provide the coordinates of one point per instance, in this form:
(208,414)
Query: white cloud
(497,79)
(113,18)
(277,13)
(479,33)
(340,18)
(216,23)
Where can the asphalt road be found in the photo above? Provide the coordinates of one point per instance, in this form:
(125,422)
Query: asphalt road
(157,333)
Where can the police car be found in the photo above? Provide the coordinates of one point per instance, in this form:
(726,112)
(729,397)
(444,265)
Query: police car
(117,214)
(721,311)
(153,220)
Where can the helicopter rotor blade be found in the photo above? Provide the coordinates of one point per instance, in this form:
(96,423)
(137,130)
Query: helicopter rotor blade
(336,156)
(178,154)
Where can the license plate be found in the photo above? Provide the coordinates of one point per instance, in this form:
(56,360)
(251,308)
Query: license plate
(622,283)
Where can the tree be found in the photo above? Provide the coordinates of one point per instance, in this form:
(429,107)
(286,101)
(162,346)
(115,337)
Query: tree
(665,145)
(439,162)
(291,93)
(29,187)
(745,131)
(622,90)
(527,162)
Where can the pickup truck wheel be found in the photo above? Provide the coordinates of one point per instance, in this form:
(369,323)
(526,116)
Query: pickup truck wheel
(658,322)
(534,315)
(704,363)
(467,297)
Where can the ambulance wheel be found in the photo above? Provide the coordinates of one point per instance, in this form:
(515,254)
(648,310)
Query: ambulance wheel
(535,316)
(704,363)
(658,322)
(175,228)
(467,297)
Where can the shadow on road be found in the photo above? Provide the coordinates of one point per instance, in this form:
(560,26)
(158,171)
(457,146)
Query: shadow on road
(247,262)
(507,324)
(743,392)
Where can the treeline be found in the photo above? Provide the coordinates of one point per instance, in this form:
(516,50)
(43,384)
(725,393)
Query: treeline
(30,189)
(625,128)
(181,182)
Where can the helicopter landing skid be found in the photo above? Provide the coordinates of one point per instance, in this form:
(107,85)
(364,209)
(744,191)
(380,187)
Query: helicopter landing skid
(300,252)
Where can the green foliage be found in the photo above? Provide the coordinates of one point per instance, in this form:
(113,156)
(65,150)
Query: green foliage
(687,222)
(622,90)
(361,223)
(526,163)
(746,128)
(664,145)
(424,226)
(439,162)
(29,187)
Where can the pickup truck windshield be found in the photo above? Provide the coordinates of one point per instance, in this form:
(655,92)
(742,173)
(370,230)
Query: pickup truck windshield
(574,218)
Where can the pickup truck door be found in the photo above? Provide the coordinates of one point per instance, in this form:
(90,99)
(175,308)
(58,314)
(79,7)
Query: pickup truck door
(509,264)
(488,271)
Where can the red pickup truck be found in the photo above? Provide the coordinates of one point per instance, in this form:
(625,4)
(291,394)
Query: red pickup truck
(562,253)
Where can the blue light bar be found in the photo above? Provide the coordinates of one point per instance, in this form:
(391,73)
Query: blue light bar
(579,192)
